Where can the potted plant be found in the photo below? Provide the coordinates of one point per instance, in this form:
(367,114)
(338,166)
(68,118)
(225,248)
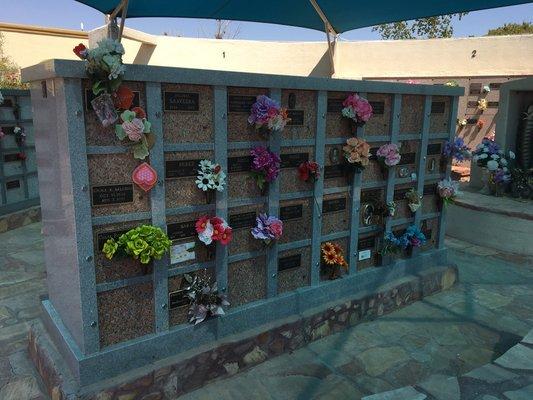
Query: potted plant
(143,243)
(210,179)
(268,229)
(356,156)
(267,116)
(332,260)
(265,167)
(308,171)
(388,156)
(205,300)
(357,110)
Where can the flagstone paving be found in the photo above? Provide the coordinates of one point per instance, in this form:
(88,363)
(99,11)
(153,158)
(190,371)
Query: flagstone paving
(431,342)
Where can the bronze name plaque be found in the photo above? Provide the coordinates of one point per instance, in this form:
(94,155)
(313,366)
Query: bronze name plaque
(112,194)
(12,185)
(333,171)
(181,168)
(101,238)
(242,220)
(407,158)
(335,105)
(334,205)
(438,107)
(289,262)
(291,212)
(378,107)
(181,230)
(177,299)
(434,149)
(240,104)
(11,157)
(239,164)
(399,194)
(293,160)
(367,243)
(430,189)
(181,101)
(297,117)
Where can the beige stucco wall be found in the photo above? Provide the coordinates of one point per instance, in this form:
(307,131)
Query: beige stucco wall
(494,56)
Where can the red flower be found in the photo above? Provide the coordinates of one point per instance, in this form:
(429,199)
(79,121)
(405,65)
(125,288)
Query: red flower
(218,231)
(139,112)
(226,236)
(216,221)
(217,169)
(123,98)
(303,172)
(308,169)
(21,156)
(81,51)
(201,224)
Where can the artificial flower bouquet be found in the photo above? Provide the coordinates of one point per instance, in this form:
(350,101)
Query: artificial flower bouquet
(499,181)
(482,105)
(144,243)
(308,171)
(357,154)
(388,156)
(462,122)
(210,178)
(265,166)
(268,228)
(332,259)
(412,238)
(205,300)
(357,109)
(267,115)
(414,200)
(213,229)
(455,150)
(20,136)
(135,130)
(447,190)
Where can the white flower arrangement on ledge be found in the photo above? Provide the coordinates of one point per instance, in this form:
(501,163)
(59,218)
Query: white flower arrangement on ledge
(210,176)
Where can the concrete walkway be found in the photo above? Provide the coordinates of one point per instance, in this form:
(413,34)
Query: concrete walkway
(448,334)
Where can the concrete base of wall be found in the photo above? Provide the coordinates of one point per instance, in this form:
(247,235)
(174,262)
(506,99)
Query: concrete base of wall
(20,218)
(502,223)
(183,373)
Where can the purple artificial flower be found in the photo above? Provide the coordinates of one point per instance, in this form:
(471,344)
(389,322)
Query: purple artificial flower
(501,177)
(265,162)
(268,228)
(262,109)
(456,150)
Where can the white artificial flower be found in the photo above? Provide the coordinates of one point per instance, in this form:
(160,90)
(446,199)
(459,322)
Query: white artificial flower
(16,130)
(348,112)
(500,152)
(207,235)
(475,158)
(205,182)
(503,161)
(479,146)
(492,165)
(482,156)
(206,165)
(485,148)
(505,169)
(511,155)
(494,156)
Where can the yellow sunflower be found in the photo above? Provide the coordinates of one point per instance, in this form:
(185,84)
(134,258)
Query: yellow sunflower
(330,258)
(328,248)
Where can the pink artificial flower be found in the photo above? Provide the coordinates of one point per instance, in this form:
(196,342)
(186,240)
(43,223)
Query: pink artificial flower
(363,109)
(2,134)
(276,227)
(390,154)
(133,129)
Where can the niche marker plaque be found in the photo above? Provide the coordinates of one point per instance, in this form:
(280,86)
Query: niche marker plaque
(112,194)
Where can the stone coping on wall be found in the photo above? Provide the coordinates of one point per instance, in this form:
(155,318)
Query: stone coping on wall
(20,218)
(180,374)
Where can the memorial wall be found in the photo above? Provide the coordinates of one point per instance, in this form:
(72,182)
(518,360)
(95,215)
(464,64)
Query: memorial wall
(111,308)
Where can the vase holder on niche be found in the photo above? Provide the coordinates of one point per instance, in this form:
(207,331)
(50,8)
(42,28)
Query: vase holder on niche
(210,196)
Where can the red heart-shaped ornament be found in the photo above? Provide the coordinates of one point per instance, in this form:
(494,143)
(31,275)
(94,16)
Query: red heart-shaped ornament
(144,176)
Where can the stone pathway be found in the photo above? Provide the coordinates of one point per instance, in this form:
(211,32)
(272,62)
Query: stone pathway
(434,341)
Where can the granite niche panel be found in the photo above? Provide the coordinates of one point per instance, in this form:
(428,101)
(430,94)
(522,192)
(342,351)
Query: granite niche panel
(324,270)
(95,133)
(117,268)
(301,108)
(181,230)
(409,151)
(187,113)
(440,114)
(178,302)
(240,101)
(412,114)
(181,169)
(296,216)
(240,183)
(125,313)
(398,231)
(372,202)
(294,269)
(334,172)
(430,228)
(373,171)
(291,158)
(242,220)
(379,124)
(367,248)
(336,124)
(335,213)
(112,190)
(431,198)
(402,207)
(247,281)
(434,161)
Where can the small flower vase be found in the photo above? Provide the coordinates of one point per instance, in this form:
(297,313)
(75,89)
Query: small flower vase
(264,131)
(485,177)
(443,163)
(384,170)
(209,196)
(440,203)
(414,207)
(210,252)
(104,108)
(264,190)
(409,251)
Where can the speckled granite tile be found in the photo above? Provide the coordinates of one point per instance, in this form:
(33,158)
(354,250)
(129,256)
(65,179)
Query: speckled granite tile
(293,278)
(246,281)
(432,237)
(125,313)
(407,147)
(398,231)
(324,271)
(111,169)
(402,208)
(375,198)
(336,124)
(117,268)
(306,101)
(337,221)
(241,184)
(183,191)
(202,252)
(438,123)
(373,172)
(189,126)
(379,124)
(337,181)
(178,315)
(373,260)
(289,180)
(429,204)
(243,241)
(297,228)
(238,127)
(96,134)
(412,114)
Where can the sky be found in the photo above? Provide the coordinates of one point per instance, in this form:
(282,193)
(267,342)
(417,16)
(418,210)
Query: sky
(71,14)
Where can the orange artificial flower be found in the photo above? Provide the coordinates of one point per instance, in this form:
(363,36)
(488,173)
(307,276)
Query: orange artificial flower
(123,98)
(328,248)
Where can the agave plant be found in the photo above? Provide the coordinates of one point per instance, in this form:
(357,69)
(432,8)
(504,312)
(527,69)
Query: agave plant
(205,299)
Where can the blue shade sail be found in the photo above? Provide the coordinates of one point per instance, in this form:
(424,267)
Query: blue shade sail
(343,15)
